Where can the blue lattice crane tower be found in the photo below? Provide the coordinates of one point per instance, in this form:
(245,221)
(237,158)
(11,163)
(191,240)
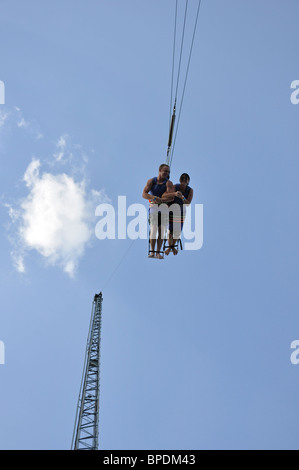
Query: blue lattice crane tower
(86,429)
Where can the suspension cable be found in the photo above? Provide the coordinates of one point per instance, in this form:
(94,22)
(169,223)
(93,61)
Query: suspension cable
(181,53)
(173,57)
(170,149)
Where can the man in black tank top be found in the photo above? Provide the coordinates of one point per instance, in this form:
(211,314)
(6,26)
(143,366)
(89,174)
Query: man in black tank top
(153,192)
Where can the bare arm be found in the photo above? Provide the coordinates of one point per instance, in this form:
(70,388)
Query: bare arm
(146,190)
(170,193)
(188,200)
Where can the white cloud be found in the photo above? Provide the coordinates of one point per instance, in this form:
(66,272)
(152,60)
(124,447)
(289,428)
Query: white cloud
(18,262)
(32,172)
(55,219)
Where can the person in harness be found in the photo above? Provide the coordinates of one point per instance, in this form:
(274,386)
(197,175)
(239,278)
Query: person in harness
(153,191)
(183,197)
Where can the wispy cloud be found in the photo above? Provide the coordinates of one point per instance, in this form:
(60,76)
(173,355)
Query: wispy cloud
(3,118)
(13,117)
(30,126)
(61,147)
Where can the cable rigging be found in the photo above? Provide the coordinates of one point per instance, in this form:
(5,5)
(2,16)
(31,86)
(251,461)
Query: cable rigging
(173,101)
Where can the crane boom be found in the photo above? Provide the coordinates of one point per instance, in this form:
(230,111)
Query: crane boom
(86,429)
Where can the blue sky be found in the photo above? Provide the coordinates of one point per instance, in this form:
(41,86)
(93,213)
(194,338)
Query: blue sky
(195,349)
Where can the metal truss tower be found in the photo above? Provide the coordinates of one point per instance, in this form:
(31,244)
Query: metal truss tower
(86,429)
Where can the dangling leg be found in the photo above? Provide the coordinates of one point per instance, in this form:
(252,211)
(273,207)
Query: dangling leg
(153,232)
(170,243)
(176,236)
(170,234)
(160,239)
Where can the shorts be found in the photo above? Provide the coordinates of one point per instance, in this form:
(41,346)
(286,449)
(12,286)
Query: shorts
(176,222)
(158,215)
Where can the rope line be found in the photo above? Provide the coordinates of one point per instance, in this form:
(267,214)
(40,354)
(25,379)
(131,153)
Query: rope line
(118,265)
